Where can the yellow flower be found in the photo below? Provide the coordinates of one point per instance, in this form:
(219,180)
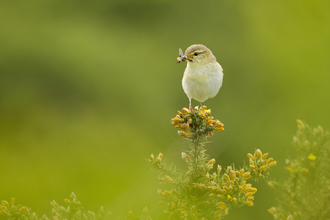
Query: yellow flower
(209,120)
(247,187)
(185,111)
(253,189)
(272,164)
(219,168)
(272,210)
(264,167)
(180,114)
(160,156)
(183,133)
(248,194)
(175,121)
(258,153)
(250,156)
(249,203)
(247,175)
(299,122)
(264,155)
(312,157)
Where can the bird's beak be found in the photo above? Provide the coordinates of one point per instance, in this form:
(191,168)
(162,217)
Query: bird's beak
(189,57)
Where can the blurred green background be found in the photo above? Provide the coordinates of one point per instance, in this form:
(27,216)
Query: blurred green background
(88,88)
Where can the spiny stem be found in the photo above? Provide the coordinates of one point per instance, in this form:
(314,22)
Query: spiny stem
(198,155)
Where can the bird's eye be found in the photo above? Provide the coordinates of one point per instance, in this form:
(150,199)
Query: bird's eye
(195,53)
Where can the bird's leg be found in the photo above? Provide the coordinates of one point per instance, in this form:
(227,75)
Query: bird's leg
(191,108)
(201,105)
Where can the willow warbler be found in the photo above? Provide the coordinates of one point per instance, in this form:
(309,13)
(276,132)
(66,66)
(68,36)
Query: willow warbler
(203,75)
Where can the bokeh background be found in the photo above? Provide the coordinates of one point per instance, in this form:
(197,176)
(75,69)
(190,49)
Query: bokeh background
(88,88)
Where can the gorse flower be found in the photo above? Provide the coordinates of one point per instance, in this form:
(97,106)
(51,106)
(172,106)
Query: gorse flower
(259,164)
(199,192)
(199,123)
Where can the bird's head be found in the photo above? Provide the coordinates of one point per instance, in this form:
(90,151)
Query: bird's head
(198,54)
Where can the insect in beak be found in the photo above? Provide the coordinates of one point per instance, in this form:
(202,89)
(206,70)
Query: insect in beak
(181,57)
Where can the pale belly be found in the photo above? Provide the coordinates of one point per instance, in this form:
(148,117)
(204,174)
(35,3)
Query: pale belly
(202,83)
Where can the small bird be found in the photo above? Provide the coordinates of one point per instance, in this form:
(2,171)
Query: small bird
(203,75)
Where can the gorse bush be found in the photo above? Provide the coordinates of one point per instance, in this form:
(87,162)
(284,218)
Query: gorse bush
(204,190)
(306,193)
(73,210)
(200,191)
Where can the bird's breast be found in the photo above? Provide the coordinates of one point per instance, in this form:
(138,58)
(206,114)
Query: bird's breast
(202,82)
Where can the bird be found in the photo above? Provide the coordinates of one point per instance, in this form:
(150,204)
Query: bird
(203,76)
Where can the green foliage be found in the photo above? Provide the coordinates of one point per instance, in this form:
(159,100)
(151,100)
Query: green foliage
(305,194)
(198,193)
(74,210)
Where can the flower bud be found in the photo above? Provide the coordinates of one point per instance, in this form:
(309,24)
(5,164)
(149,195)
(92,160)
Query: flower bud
(258,153)
(185,111)
(272,210)
(249,203)
(272,164)
(247,175)
(219,168)
(265,155)
(250,156)
(180,114)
